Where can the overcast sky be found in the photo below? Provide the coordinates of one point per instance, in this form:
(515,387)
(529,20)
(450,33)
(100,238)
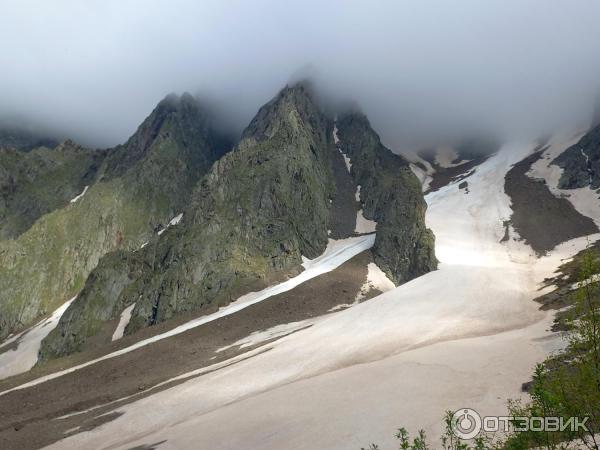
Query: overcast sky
(95,69)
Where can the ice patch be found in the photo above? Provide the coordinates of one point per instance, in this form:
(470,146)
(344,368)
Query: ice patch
(123,321)
(25,356)
(76,199)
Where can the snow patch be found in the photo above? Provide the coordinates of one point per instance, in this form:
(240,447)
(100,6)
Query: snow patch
(417,163)
(585,200)
(346,161)
(76,199)
(341,306)
(357,193)
(25,355)
(336,141)
(376,279)
(336,253)
(123,322)
(456,328)
(364,225)
(174,221)
(264,335)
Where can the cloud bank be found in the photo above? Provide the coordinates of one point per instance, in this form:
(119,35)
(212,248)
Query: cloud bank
(420,69)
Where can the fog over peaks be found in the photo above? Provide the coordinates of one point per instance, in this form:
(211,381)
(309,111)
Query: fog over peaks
(421,71)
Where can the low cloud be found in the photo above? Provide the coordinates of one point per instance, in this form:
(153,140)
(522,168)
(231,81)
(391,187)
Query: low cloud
(421,70)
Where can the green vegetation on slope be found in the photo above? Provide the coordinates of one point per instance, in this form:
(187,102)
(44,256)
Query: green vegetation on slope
(37,182)
(139,187)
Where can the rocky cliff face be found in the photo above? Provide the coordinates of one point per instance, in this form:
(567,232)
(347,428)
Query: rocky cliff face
(390,195)
(251,219)
(136,189)
(581,162)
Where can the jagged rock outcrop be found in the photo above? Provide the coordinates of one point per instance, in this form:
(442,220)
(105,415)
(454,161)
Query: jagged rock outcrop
(581,163)
(251,219)
(391,195)
(137,189)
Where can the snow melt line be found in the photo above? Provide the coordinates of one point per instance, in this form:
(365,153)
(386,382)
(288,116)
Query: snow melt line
(76,198)
(336,253)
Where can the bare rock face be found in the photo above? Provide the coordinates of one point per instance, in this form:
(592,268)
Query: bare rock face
(252,217)
(581,162)
(391,195)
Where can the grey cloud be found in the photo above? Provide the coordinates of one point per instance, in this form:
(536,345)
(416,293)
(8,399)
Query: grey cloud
(421,70)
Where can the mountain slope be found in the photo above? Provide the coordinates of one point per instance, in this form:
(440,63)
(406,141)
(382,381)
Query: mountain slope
(253,217)
(138,188)
(37,182)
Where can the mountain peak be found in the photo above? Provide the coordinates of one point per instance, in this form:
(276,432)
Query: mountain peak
(292,103)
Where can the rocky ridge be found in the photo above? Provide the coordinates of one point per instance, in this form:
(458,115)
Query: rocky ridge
(252,218)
